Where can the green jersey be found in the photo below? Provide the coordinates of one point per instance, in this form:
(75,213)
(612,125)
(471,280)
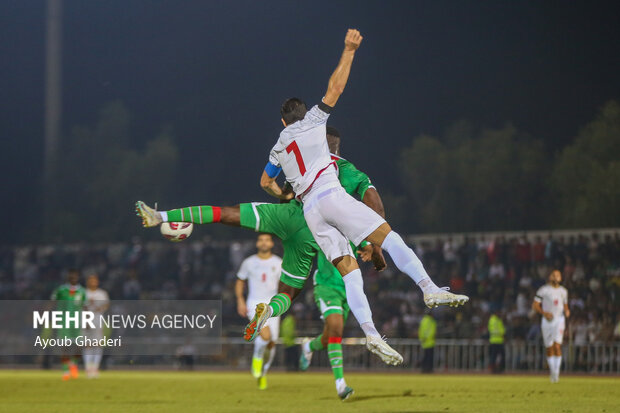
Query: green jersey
(352,179)
(326,274)
(69,298)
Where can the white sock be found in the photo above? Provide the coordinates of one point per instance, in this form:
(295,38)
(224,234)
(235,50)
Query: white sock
(358,302)
(97,355)
(259,347)
(550,363)
(164,215)
(406,261)
(370,329)
(271,356)
(557,364)
(88,358)
(306,347)
(340,385)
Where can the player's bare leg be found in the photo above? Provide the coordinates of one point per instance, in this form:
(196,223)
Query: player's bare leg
(407,262)
(331,339)
(358,302)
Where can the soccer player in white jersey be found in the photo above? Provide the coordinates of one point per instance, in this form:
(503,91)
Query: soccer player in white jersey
(261,272)
(97,301)
(551,302)
(333,216)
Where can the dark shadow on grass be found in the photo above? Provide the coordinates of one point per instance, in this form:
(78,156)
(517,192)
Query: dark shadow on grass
(384,396)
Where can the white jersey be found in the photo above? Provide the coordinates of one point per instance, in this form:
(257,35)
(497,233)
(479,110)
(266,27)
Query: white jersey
(552,299)
(302,151)
(96,301)
(262,277)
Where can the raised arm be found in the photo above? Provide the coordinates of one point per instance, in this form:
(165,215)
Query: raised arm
(339,78)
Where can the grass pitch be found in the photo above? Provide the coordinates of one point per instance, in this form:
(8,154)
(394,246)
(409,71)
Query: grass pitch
(179,392)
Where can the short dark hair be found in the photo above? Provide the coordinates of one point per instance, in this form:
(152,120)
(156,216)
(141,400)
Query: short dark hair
(292,110)
(333,140)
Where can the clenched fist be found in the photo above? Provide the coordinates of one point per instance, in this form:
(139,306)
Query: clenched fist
(353,39)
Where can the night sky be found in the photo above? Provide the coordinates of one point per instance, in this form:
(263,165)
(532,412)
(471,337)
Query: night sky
(217,72)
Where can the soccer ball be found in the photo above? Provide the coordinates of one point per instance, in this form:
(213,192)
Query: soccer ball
(176,231)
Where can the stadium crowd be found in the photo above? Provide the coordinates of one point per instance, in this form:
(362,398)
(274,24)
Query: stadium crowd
(501,275)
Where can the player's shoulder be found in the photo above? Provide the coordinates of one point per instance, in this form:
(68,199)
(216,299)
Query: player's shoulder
(251,258)
(276,258)
(341,162)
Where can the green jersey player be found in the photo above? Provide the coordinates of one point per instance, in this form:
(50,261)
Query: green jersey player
(69,297)
(329,289)
(287,222)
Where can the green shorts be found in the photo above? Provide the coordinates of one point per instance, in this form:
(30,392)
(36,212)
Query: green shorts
(287,222)
(331,300)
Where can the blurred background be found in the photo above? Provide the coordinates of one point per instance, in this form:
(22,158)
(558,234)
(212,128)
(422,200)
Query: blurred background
(492,129)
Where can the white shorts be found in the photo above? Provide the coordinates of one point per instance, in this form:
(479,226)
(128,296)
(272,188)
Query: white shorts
(93,333)
(273,323)
(335,217)
(553,331)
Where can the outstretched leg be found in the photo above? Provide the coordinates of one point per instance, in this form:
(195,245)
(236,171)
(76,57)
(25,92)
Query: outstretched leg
(408,262)
(205,214)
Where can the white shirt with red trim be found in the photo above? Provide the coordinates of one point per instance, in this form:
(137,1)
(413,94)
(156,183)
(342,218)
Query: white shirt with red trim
(262,277)
(552,299)
(302,151)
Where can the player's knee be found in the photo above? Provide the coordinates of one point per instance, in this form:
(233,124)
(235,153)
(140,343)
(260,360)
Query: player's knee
(335,330)
(230,215)
(334,325)
(291,291)
(345,264)
(378,236)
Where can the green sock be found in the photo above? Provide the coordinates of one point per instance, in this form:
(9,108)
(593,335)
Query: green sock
(334,351)
(197,214)
(65,366)
(316,344)
(280,303)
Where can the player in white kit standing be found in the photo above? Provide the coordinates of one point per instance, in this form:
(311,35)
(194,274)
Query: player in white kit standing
(261,272)
(333,216)
(551,302)
(97,301)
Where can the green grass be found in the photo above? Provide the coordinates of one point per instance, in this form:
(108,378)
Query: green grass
(133,392)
